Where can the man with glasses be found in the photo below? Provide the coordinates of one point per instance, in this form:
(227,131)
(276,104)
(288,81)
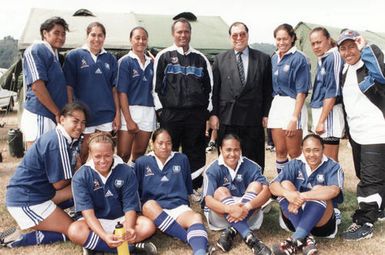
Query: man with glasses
(242,94)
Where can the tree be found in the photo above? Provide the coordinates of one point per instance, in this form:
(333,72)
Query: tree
(8,51)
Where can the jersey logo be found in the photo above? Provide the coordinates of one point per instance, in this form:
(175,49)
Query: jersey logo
(135,73)
(239,178)
(119,183)
(96,184)
(83,64)
(225,181)
(176,169)
(164,179)
(174,60)
(148,171)
(300,176)
(108,194)
(323,71)
(39,237)
(276,73)
(320,178)
(107,66)
(144,78)
(286,68)
(98,71)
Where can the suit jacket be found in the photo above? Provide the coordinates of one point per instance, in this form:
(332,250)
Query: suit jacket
(239,105)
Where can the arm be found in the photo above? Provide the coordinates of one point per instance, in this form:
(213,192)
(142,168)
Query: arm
(132,127)
(116,123)
(42,94)
(158,80)
(260,200)
(129,225)
(70,94)
(234,212)
(292,196)
(321,193)
(267,90)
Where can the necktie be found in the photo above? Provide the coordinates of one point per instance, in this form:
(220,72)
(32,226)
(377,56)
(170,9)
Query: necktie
(240,68)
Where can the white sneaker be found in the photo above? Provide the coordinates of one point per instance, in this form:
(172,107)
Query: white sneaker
(8,236)
(266,207)
(337,214)
(282,223)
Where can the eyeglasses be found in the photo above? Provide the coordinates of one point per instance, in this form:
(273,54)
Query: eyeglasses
(241,35)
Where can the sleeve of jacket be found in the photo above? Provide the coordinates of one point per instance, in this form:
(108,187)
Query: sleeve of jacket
(373,58)
(159,66)
(216,88)
(267,86)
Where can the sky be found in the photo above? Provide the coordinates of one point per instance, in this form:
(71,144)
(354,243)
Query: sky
(262,17)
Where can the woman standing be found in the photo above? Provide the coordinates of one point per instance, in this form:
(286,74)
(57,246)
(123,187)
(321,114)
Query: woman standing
(134,83)
(291,81)
(90,72)
(326,104)
(42,181)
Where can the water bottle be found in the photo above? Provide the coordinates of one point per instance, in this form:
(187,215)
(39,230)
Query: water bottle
(119,232)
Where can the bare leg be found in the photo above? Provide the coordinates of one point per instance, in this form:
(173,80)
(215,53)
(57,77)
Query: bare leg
(52,222)
(125,141)
(331,150)
(279,139)
(293,144)
(140,144)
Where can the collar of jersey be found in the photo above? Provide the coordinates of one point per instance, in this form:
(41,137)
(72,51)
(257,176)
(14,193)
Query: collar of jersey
(65,134)
(117,161)
(308,169)
(291,51)
(46,44)
(133,55)
(233,172)
(85,47)
(180,49)
(158,162)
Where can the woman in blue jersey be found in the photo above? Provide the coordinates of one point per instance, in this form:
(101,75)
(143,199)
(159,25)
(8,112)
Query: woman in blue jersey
(164,180)
(326,104)
(134,84)
(106,192)
(42,181)
(90,73)
(291,81)
(45,92)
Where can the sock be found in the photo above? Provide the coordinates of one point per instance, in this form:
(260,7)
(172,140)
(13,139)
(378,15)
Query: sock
(280,164)
(66,204)
(197,238)
(294,218)
(242,227)
(168,225)
(38,237)
(312,213)
(248,196)
(95,243)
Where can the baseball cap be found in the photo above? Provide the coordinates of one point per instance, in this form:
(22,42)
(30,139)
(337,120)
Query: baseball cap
(347,35)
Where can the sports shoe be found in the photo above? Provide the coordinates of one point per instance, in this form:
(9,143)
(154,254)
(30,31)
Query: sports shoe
(225,241)
(256,245)
(91,252)
(337,214)
(270,148)
(287,247)
(8,236)
(266,207)
(211,250)
(381,215)
(310,246)
(357,232)
(211,146)
(147,248)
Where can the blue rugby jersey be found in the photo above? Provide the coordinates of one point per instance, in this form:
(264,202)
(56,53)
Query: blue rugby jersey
(291,74)
(110,197)
(328,173)
(40,62)
(171,186)
(92,83)
(134,81)
(218,175)
(46,162)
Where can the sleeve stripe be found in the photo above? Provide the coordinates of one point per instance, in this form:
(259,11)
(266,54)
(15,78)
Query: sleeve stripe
(66,164)
(32,65)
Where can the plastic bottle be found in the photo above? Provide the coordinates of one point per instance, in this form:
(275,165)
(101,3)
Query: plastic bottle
(119,232)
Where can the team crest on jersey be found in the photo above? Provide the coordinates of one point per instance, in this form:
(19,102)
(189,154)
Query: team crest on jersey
(174,60)
(276,73)
(83,64)
(320,178)
(135,73)
(164,179)
(96,184)
(148,172)
(107,66)
(98,71)
(323,71)
(119,183)
(144,78)
(108,194)
(225,180)
(176,169)
(239,178)
(300,176)
(286,68)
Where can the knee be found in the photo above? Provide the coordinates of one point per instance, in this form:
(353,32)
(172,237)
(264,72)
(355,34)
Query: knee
(78,232)
(145,228)
(196,218)
(151,209)
(221,193)
(288,185)
(255,187)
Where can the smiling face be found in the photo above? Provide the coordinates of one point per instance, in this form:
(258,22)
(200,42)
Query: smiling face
(313,152)
(182,35)
(74,123)
(239,37)
(350,52)
(162,146)
(102,154)
(283,41)
(231,152)
(319,43)
(56,37)
(95,39)
(139,40)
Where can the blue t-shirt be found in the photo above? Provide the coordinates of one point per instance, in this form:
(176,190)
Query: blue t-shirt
(328,173)
(170,186)
(46,162)
(218,175)
(41,63)
(92,83)
(110,197)
(135,82)
(291,74)
(327,79)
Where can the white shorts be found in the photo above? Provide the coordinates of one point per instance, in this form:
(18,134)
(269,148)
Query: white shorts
(143,116)
(281,112)
(33,125)
(30,216)
(334,123)
(177,211)
(109,225)
(218,222)
(105,127)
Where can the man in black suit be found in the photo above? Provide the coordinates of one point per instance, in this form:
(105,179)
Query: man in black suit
(242,94)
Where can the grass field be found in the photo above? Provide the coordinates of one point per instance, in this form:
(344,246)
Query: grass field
(270,232)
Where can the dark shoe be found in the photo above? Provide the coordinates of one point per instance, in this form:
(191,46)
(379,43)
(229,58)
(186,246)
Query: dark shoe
(211,146)
(211,250)
(256,245)
(357,232)
(287,247)
(226,239)
(8,236)
(381,215)
(91,252)
(147,248)
(310,246)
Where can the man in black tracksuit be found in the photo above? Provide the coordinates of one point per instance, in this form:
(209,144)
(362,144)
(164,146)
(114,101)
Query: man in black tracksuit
(182,86)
